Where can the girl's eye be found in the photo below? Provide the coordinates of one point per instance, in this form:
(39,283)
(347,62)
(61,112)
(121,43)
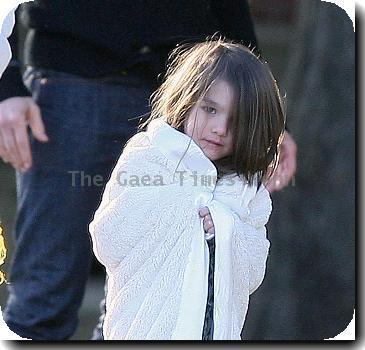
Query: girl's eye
(210,110)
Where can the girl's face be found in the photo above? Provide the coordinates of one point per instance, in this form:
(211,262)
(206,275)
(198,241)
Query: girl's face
(211,116)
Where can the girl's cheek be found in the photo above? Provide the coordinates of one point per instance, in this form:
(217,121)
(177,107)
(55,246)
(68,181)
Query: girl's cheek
(188,129)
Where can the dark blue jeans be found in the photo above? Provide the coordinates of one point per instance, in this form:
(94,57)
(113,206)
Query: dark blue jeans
(87,125)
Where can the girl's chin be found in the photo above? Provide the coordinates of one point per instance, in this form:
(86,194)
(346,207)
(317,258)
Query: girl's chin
(210,156)
(210,153)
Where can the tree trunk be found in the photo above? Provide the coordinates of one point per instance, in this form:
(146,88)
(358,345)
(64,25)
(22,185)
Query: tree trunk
(309,289)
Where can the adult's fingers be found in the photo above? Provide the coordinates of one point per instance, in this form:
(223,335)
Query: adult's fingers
(23,146)
(8,138)
(36,123)
(282,176)
(274,179)
(279,182)
(3,153)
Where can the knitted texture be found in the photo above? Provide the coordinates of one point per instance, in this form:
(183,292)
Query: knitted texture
(151,241)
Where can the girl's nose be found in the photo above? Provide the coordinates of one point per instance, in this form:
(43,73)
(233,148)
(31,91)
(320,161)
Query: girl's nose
(220,128)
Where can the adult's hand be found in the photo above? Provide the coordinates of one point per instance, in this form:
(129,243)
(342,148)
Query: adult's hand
(287,165)
(16,114)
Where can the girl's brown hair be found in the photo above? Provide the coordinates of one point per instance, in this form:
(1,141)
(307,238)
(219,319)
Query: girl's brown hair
(258,115)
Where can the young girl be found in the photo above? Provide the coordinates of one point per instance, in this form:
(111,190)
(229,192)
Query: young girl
(185,194)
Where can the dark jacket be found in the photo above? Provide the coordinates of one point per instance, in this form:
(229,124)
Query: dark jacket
(104,38)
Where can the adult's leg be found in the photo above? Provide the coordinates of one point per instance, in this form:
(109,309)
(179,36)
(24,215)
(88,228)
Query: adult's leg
(86,122)
(138,88)
(98,330)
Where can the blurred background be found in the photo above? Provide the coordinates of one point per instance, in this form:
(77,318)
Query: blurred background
(309,289)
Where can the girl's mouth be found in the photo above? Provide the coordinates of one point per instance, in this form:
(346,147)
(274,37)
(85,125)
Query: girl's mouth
(214,143)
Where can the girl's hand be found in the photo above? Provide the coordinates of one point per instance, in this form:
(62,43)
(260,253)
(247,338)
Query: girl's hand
(207,220)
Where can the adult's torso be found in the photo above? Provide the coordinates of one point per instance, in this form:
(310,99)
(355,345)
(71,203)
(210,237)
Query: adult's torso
(103,38)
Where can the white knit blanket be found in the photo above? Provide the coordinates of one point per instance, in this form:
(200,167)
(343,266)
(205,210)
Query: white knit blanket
(149,236)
